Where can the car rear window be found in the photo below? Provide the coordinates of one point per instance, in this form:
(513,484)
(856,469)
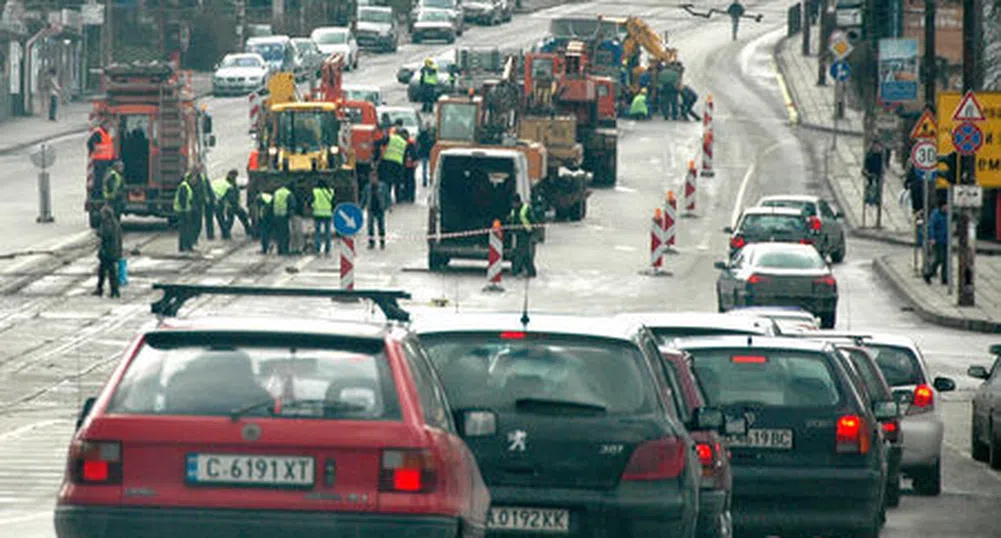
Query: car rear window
(790,259)
(808,208)
(869,374)
(899,365)
(763,223)
(775,378)
(497,371)
(215,374)
(667,334)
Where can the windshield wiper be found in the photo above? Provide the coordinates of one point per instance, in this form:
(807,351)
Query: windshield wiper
(235,414)
(530,404)
(329,406)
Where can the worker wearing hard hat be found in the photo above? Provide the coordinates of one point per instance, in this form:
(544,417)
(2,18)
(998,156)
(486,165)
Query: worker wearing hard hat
(639,110)
(428,85)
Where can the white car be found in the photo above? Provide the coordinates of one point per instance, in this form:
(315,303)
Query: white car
(334,39)
(239,74)
(364,92)
(410,118)
(790,320)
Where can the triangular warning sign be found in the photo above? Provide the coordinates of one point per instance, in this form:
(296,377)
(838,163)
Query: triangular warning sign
(969,109)
(925,127)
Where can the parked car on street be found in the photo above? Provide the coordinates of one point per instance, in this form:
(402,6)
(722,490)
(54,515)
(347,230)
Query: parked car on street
(820,217)
(410,118)
(278,51)
(310,56)
(770,225)
(433,25)
(239,74)
(985,428)
(376,29)
(364,92)
(488,12)
(779,274)
(335,39)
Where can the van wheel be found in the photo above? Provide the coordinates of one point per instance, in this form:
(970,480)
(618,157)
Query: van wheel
(993,448)
(828,320)
(578,211)
(437,262)
(838,256)
(929,481)
(893,493)
(94,219)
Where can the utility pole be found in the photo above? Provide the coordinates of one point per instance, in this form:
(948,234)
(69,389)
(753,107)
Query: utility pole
(826,25)
(241,22)
(805,11)
(969,162)
(108,33)
(931,64)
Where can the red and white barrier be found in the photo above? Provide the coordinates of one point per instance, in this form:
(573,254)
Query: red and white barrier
(495,258)
(255,110)
(658,242)
(670,222)
(707,154)
(690,178)
(347,247)
(707,116)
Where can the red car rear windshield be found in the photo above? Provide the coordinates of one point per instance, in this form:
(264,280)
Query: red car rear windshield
(214,374)
(771,378)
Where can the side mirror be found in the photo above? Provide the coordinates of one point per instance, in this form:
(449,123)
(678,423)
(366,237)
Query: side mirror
(722,266)
(708,419)
(88,404)
(735,426)
(207,124)
(211,141)
(476,423)
(978,372)
(728,229)
(994,349)
(886,410)
(903,396)
(944,384)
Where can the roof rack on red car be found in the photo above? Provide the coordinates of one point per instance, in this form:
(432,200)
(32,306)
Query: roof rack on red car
(175,295)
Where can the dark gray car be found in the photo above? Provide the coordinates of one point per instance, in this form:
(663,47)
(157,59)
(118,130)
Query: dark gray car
(821,217)
(985,435)
(779,274)
(770,224)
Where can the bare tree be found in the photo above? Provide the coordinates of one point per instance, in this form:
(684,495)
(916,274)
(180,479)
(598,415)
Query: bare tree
(991,56)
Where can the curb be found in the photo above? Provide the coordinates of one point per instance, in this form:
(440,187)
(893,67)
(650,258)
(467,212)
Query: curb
(890,275)
(790,97)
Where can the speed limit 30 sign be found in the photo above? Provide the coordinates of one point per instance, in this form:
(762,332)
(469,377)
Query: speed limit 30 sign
(924,155)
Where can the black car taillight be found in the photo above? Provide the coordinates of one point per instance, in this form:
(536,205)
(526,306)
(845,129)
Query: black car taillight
(96,462)
(656,460)
(852,435)
(407,471)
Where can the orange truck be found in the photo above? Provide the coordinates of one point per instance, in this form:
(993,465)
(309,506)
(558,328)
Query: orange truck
(158,132)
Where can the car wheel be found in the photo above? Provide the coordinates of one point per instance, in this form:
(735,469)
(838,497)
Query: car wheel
(451,39)
(994,448)
(978,451)
(828,320)
(437,262)
(838,255)
(893,492)
(416,39)
(929,481)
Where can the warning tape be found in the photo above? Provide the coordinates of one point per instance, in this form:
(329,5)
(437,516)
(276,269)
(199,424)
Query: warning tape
(456,235)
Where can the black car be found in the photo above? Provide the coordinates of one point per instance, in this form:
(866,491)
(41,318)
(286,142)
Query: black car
(985,435)
(813,460)
(771,224)
(572,423)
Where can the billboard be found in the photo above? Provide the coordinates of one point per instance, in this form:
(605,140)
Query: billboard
(898,70)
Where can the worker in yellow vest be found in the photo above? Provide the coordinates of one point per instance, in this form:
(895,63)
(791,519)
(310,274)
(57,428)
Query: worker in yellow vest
(228,208)
(391,165)
(323,216)
(184,201)
(282,207)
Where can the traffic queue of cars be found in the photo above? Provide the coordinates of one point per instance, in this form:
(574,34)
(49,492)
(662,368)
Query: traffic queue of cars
(498,424)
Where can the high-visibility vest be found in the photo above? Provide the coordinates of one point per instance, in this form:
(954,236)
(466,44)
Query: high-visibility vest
(396,149)
(639,105)
(252,163)
(104,150)
(429,76)
(523,216)
(112,185)
(323,202)
(186,207)
(281,201)
(221,188)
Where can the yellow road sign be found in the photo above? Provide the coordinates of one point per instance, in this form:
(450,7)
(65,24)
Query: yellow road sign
(925,127)
(989,157)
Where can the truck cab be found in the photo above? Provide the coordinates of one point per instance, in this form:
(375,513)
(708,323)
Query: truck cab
(471,189)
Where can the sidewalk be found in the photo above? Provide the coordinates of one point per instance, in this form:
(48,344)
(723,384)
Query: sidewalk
(932,302)
(72,118)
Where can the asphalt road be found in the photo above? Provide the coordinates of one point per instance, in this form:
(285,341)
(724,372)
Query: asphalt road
(60,344)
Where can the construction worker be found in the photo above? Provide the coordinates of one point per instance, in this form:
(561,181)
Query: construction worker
(638,110)
(101,150)
(253,162)
(184,212)
(522,221)
(375,199)
(265,219)
(428,85)
(203,206)
(113,188)
(109,252)
(323,216)
(391,165)
(283,206)
(227,205)
(688,100)
(425,141)
(410,160)
(669,84)
(736,11)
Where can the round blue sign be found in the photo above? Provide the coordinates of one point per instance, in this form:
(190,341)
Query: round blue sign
(348,218)
(967,138)
(840,70)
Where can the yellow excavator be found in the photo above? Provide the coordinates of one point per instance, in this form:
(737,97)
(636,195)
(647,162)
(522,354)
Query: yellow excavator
(640,36)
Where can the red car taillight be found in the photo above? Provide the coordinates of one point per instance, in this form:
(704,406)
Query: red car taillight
(923,400)
(814,223)
(96,462)
(407,471)
(891,430)
(705,451)
(852,435)
(737,242)
(656,460)
(826,281)
(756,279)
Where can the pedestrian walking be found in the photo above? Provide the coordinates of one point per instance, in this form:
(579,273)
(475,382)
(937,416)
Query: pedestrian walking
(109,252)
(915,184)
(375,199)
(873,166)
(228,208)
(736,11)
(425,141)
(428,85)
(688,100)
(265,219)
(283,206)
(522,222)
(938,236)
(391,164)
(323,217)
(184,213)
(113,188)
(639,110)
(410,169)
(55,92)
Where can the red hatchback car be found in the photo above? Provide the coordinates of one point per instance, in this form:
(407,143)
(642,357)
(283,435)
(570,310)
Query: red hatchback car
(268,428)
(717,482)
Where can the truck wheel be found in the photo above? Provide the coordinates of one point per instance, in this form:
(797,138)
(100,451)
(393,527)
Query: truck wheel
(578,211)
(94,219)
(436,262)
(610,169)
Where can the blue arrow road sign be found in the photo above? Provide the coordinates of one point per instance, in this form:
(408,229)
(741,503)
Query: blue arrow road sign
(840,70)
(348,218)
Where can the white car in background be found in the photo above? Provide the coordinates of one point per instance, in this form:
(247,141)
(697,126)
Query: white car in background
(334,39)
(410,118)
(364,92)
(238,74)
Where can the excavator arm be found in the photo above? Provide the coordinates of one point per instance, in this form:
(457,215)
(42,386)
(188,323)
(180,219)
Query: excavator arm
(331,76)
(640,34)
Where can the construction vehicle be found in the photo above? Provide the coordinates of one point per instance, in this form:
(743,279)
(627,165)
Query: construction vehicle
(302,142)
(159,134)
(603,35)
(475,66)
(639,35)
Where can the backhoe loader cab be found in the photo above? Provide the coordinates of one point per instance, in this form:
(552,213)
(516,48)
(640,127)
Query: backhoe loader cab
(460,119)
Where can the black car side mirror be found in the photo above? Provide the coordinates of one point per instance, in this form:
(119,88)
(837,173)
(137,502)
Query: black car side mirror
(708,419)
(944,384)
(476,423)
(722,266)
(994,349)
(886,410)
(88,404)
(728,229)
(978,372)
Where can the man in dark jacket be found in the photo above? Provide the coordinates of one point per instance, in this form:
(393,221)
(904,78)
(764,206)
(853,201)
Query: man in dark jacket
(410,168)
(375,199)
(938,236)
(522,222)
(425,141)
(688,100)
(109,252)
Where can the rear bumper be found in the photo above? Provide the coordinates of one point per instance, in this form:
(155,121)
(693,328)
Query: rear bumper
(798,501)
(712,504)
(105,522)
(922,440)
(631,510)
(813,305)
